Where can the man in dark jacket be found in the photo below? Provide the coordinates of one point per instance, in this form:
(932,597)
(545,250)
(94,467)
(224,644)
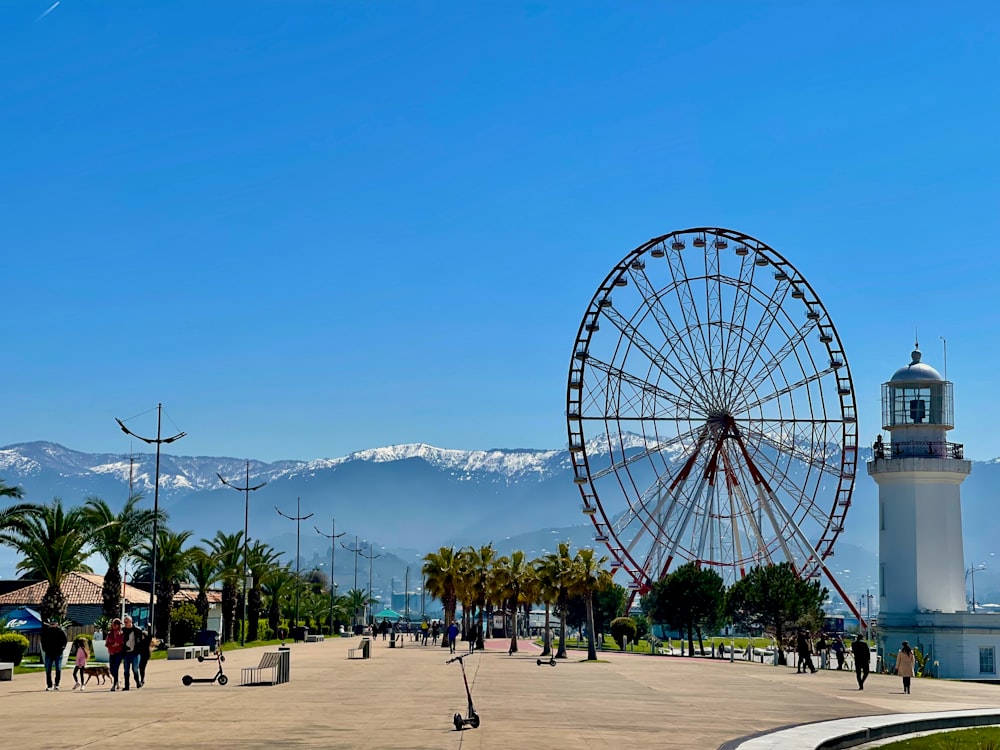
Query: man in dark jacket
(53,644)
(862,660)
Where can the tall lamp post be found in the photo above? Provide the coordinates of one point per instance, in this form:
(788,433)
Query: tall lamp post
(157,441)
(246,490)
(332,536)
(298,518)
(972,572)
(371,559)
(356,549)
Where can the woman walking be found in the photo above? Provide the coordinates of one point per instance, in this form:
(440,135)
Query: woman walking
(905,662)
(115,642)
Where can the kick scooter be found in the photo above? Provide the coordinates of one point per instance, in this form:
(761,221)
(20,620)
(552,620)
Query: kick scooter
(219,676)
(472,719)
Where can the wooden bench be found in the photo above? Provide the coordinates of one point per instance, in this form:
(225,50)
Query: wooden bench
(362,651)
(188,652)
(314,638)
(6,671)
(269,661)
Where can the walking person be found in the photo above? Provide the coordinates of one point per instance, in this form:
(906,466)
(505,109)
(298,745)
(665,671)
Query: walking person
(804,649)
(425,630)
(131,645)
(862,660)
(473,637)
(452,635)
(82,653)
(146,646)
(839,651)
(115,642)
(53,644)
(905,662)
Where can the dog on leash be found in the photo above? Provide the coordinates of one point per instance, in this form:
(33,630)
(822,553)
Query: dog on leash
(102,673)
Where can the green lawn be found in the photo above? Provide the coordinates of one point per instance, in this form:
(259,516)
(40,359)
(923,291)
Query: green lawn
(984,738)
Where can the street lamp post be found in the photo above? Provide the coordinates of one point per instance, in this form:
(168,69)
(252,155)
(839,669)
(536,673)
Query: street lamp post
(298,518)
(371,560)
(246,490)
(157,441)
(356,549)
(332,536)
(972,572)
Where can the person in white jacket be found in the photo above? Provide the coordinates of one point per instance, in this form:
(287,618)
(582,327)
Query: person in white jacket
(905,662)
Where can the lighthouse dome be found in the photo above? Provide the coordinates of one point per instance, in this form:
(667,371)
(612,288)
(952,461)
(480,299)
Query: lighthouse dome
(916,372)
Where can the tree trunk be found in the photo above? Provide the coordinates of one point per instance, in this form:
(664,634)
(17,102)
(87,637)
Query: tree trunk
(54,604)
(546,640)
(561,652)
(481,633)
(591,650)
(513,627)
(253,615)
(228,610)
(111,593)
(690,639)
(274,616)
(701,645)
(201,604)
(164,595)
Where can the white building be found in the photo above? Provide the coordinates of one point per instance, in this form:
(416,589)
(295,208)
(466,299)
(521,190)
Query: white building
(921,559)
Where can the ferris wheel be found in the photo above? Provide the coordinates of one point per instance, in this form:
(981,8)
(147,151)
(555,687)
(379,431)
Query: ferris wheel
(711,412)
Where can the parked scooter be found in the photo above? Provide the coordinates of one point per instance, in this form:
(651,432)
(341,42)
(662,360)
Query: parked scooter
(472,719)
(219,676)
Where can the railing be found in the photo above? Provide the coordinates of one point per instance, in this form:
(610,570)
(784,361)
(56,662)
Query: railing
(918,449)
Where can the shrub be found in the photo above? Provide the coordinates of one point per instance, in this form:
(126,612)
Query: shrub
(642,626)
(264,631)
(622,628)
(12,647)
(184,623)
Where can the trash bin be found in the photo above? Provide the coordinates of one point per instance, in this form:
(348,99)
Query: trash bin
(208,638)
(284,663)
(299,633)
(366,648)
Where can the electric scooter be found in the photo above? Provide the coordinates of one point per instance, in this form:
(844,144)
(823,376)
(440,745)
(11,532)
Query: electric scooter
(551,661)
(472,719)
(219,676)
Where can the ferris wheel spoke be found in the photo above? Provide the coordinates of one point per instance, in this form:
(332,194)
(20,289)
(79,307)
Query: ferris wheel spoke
(795,492)
(791,388)
(811,458)
(684,381)
(653,302)
(689,311)
(713,314)
(760,333)
(650,451)
(741,300)
(673,403)
(786,349)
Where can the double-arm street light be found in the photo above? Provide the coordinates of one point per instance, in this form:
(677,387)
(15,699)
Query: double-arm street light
(298,518)
(371,559)
(972,572)
(246,490)
(332,536)
(356,549)
(157,441)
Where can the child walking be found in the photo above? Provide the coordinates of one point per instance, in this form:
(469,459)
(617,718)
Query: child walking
(82,654)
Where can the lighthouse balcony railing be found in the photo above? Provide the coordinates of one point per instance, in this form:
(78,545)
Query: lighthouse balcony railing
(918,449)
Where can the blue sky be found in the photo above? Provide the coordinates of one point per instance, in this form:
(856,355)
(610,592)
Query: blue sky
(310,228)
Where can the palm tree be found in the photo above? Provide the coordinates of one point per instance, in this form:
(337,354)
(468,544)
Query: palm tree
(228,551)
(477,569)
(261,560)
(203,572)
(173,562)
(556,572)
(52,543)
(588,576)
(276,586)
(10,517)
(512,584)
(441,572)
(547,577)
(356,600)
(114,537)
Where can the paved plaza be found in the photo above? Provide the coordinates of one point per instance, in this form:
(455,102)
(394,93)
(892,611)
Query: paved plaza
(405,698)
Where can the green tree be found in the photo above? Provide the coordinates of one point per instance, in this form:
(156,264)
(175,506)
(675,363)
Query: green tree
(203,572)
(513,585)
(11,516)
(52,542)
(262,559)
(587,577)
(114,537)
(557,576)
(276,586)
(172,566)
(775,599)
(477,569)
(623,630)
(441,572)
(228,551)
(691,597)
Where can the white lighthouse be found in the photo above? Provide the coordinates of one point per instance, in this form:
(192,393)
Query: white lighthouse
(921,560)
